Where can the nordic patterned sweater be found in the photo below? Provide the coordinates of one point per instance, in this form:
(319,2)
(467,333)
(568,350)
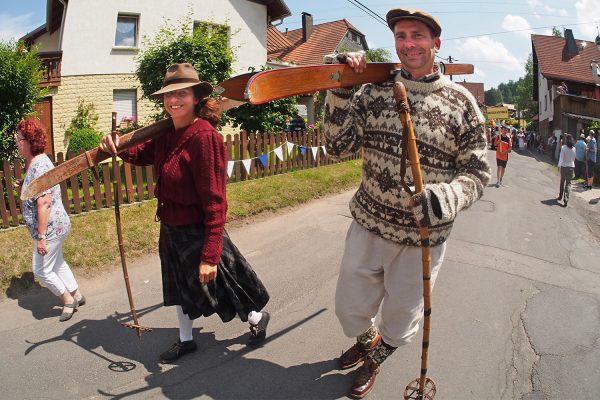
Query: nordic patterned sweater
(451,141)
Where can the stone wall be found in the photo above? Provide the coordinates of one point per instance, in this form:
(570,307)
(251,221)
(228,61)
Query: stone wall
(96,89)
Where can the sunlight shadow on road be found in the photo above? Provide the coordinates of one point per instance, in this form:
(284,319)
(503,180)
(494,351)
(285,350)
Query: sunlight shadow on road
(215,375)
(550,202)
(108,335)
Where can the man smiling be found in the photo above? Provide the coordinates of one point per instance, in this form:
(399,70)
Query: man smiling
(381,266)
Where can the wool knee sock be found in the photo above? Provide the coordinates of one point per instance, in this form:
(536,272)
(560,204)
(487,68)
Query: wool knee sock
(380,352)
(185,325)
(254,317)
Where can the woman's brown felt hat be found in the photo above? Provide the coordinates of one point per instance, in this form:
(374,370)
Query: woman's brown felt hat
(181,76)
(397,14)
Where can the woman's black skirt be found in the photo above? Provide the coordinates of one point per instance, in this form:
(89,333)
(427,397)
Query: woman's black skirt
(236,291)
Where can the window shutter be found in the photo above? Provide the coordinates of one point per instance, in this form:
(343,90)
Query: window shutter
(124,104)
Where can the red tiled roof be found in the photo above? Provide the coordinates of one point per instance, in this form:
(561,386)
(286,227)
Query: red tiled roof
(476,90)
(276,40)
(324,40)
(554,63)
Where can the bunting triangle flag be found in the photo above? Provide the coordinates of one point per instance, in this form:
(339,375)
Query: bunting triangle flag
(314,152)
(230,165)
(290,147)
(247,164)
(279,153)
(324,151)
(302,149)
(263,160)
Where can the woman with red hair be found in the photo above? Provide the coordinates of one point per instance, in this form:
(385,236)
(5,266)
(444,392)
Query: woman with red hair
(47,221)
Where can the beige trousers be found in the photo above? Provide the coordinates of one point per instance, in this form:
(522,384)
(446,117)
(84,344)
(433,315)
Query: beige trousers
(378,272)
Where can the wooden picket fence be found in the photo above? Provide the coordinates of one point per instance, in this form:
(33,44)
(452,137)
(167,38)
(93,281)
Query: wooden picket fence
(86,191)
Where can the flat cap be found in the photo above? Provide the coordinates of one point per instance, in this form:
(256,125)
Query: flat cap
(397,14)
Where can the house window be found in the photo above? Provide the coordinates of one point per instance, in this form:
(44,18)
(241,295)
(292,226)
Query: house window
(126,34)
(211,29)
(125,105)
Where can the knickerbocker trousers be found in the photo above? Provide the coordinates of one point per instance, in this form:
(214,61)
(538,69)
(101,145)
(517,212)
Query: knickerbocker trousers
(375,272)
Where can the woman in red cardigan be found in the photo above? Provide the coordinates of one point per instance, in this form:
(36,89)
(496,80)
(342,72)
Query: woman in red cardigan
(203,272)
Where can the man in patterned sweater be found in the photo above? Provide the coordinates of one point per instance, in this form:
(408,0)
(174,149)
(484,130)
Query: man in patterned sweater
(382,266)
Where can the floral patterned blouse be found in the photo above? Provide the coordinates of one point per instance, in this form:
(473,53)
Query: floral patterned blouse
(58,220)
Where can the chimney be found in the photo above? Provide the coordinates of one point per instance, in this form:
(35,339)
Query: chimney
(570,45)
(307,26)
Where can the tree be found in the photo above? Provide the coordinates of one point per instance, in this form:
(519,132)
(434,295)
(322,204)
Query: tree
(556,32)
(493,97)
(525,99)
(19,91)
(378,55)
(268,117)
(209,53)
(206,47)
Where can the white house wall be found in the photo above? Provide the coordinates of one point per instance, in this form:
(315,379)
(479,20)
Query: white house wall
(89,33)
(546,107)
(47,42)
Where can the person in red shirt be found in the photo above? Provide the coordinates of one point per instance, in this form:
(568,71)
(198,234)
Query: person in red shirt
(503,147)
(203,272)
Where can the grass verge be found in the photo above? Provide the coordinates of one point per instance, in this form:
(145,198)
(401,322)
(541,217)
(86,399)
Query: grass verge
(91,248)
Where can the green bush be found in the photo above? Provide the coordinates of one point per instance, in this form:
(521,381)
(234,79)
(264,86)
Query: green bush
(83,139)
(19,91)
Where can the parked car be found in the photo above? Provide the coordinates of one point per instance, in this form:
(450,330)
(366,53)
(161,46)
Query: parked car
(297,124)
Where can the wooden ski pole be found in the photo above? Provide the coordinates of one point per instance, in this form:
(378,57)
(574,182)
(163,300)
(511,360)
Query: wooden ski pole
(116,172)
(421,388)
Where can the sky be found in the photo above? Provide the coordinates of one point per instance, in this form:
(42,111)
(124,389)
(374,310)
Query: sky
(494,36)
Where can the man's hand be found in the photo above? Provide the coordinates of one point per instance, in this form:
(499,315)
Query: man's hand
(207,272)
(357,61)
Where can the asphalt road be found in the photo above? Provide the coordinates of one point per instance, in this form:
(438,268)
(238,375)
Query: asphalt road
(516,313)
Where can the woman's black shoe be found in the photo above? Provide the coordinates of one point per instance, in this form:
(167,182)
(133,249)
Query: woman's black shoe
(258,332)
(177,350)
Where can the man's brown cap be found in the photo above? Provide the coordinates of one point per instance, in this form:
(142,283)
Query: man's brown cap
(397,14)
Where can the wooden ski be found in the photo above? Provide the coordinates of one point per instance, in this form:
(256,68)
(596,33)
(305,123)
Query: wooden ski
(234,88)
(92,158)
(265,86)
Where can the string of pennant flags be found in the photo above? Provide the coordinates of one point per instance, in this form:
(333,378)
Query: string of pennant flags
(278,152)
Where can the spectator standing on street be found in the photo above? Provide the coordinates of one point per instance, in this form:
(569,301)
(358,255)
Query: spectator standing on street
(503,147)
(592,149)
(552,142)
(580,150)
(566,163)
(521,136)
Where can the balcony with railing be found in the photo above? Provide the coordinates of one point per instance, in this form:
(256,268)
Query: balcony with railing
(51,68)
(571,110)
